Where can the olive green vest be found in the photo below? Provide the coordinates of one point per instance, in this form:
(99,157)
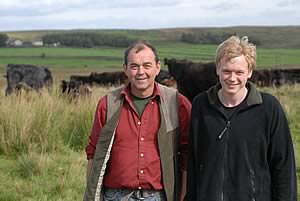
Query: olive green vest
(169,152)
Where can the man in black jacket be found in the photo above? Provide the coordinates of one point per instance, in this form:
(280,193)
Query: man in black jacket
(240,142)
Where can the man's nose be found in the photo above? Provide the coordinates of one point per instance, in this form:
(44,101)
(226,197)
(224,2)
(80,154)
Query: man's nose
(232,76)
(140,70)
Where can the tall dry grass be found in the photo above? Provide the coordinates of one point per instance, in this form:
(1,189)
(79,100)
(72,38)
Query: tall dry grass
(45,121)
(42,140)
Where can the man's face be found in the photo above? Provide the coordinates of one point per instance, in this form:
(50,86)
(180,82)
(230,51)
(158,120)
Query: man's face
(141,70)
(233,75)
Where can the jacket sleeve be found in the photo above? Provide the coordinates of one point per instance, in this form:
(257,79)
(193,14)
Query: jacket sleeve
(191,194)
(281,157)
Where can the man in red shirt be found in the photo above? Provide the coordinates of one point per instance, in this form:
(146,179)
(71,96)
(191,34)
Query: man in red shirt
(137,149)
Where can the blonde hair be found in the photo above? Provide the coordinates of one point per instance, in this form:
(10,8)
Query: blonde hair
(235,47)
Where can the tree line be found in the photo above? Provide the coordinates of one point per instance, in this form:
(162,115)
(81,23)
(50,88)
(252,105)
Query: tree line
(211,38)
(3,39)
(87,40)
(116,40)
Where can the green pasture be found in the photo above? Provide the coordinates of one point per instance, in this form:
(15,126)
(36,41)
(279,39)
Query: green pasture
(63,57)
(109,57)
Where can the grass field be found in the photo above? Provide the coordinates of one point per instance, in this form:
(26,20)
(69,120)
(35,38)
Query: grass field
(43,138)
(279,49)
(64,62)
(108,57)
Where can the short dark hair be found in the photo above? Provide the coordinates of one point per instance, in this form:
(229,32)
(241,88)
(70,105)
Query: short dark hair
(140,45)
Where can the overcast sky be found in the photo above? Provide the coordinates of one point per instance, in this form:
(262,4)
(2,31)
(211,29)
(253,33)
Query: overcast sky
(144,14)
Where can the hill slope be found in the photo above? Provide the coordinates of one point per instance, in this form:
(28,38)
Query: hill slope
(268,36)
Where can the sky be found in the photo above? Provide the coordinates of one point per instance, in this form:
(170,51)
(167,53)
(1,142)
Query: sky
(145,14)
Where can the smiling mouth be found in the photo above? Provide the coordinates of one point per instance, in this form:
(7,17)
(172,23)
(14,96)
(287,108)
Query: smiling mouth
(232,85)
(141,79)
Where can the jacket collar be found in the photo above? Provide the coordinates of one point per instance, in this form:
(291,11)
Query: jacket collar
(253,98)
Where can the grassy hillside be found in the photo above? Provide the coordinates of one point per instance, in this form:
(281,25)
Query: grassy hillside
(269,36)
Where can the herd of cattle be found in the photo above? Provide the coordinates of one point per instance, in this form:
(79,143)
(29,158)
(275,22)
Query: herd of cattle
(188,77)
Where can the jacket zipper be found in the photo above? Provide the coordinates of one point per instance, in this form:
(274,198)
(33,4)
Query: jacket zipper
(225,156)
(225,148)
(224,130)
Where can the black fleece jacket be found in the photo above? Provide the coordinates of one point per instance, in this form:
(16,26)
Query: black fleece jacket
(248,156)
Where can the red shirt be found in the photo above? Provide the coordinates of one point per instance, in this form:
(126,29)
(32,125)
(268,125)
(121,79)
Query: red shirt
(134,161)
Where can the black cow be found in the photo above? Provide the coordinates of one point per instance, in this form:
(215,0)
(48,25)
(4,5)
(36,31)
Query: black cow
(289,76)
(32,76)
(263,77)
(74,88)
(108,79)
(162,76)
(84,79)
(192,78)
(105,79)
(169,82)
(275,77)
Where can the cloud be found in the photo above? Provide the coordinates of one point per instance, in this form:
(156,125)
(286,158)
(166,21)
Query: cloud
(137,14)
(38,8)
(288,3)
(45,7)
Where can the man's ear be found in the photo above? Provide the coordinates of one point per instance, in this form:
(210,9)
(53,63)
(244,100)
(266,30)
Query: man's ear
(250,73)
(125,69)
(158,67)
(217,69)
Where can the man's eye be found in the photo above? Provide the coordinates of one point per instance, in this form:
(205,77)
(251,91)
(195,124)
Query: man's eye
(133,67)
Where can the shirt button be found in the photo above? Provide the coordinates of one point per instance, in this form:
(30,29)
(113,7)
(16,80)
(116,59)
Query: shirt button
(142,138)
(139,187)
(142,171)
(139,123)
(142,154)
(152,102)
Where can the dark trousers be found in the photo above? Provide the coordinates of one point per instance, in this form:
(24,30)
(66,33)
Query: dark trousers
(133,195)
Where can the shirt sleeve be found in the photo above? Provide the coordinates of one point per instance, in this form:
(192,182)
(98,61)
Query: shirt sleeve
(99,122)
(184,108)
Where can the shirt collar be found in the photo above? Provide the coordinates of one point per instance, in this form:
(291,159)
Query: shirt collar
(126,92)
